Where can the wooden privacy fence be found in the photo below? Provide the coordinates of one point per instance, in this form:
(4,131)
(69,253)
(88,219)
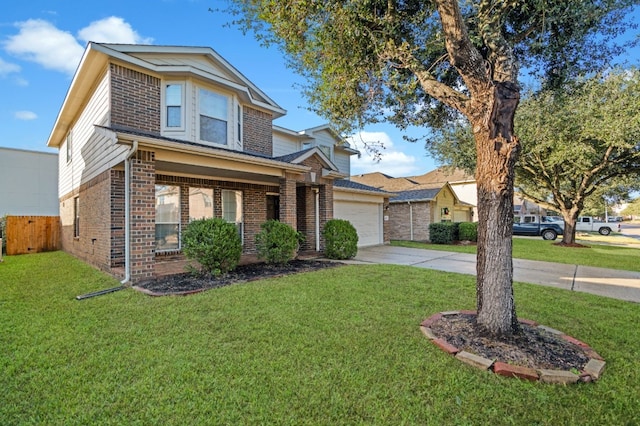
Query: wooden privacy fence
(32,234)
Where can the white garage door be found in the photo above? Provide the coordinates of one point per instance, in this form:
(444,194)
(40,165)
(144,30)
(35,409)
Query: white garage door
(365,217)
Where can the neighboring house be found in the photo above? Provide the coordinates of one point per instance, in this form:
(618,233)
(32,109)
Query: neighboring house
(151,137)
(523,207)
(411,212)
(418,202)
(28,183)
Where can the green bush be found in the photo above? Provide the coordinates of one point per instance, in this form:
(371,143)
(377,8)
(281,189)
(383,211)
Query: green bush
(468,231)
(443,232)
(277,242)
(214,244)
(341,239)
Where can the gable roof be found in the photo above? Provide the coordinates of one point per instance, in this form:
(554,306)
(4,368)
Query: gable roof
(416,195)
(442,175)
(300,156)
(425,195)
(202,62)
(358,187)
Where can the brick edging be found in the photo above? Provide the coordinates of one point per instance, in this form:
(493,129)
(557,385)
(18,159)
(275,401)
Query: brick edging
(591,371)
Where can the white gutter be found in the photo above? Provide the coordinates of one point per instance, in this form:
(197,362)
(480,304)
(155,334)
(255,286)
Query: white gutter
(127,213)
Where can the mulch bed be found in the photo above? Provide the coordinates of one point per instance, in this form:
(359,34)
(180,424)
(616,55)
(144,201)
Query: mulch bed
(187,283)
(533,348)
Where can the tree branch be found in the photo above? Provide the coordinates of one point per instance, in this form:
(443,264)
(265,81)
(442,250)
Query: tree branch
(462,54)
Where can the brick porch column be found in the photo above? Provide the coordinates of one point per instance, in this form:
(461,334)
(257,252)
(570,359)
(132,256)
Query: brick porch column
(143,215)
(326,208)
(288,204)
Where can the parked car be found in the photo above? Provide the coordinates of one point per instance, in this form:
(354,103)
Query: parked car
(547,230)
(589,224)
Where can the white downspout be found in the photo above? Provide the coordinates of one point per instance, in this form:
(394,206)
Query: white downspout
(317,201)
(410,220)
(127,213)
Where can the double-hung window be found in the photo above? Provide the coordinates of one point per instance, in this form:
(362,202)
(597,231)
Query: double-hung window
(174,106)
(213,117)
(167,217)
(200,203)
(232,208)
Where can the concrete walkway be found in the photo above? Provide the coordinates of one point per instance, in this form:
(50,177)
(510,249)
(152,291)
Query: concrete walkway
(623,285)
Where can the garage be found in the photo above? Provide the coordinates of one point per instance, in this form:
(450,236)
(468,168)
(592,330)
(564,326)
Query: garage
(363,206)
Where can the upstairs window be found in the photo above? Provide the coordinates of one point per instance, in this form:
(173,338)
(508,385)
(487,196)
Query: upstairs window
(213,117)
(69,147)
(174,106)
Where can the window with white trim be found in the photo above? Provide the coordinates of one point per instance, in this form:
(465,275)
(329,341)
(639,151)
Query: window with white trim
(213,117)
(69,147)
(167,218)
(76,217)
(174,106)
(200,203)
(232,208)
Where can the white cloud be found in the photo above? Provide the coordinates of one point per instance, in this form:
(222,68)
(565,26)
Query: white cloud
(7,68)
(112,30)
(391,161)
(26,115)
(41,42)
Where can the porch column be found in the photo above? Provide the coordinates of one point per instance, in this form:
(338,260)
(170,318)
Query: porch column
(288,204)
(143,215)
(326,208)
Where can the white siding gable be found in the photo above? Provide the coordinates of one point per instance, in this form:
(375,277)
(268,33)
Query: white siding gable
(92,153)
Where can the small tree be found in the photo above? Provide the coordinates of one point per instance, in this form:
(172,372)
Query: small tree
(277,242)
(214,244)
(341,239)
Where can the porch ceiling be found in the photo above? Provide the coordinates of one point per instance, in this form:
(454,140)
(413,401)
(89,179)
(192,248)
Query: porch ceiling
(206,172)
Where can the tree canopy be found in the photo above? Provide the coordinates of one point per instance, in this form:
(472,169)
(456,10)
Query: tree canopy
(372,60)
(429,63)
(580,143)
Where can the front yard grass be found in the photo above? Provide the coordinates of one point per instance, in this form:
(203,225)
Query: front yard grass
(339,346)
(598,255)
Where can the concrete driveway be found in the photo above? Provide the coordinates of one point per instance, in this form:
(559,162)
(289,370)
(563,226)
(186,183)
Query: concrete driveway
(623,285)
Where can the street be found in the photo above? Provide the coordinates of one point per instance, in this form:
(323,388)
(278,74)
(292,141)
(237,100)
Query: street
(630,229)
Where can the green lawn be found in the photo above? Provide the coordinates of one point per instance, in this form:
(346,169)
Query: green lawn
(599,255)
(336,347)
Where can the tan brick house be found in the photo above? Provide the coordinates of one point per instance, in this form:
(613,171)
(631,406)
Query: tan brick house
(418,201)
(151,137)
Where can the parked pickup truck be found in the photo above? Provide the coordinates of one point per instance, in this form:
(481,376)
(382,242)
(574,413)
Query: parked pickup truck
(589,224)
(547,230)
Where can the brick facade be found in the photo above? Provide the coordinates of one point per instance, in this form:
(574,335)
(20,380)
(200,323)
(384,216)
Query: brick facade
(403,216)
(93,242)
(135,99)
(257,131)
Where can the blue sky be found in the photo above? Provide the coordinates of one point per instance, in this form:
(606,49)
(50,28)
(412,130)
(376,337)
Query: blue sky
(41,43)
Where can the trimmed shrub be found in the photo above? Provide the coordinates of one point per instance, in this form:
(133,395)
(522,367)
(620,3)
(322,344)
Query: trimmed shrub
(442,232)
(468,231)
(341,239)
(277,242)
(214,243)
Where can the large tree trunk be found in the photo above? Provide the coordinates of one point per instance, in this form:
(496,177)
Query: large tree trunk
(497,150)
(570,220)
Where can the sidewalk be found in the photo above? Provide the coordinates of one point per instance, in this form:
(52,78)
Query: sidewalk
(623,285)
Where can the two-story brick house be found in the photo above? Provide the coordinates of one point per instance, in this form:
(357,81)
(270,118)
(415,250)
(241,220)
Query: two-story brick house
(151,137)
